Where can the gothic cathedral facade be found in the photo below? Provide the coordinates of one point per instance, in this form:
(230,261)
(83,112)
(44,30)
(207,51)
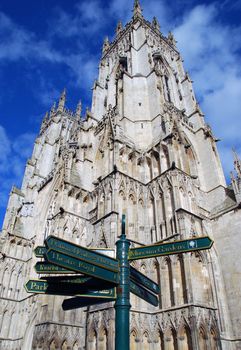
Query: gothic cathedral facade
(144,149)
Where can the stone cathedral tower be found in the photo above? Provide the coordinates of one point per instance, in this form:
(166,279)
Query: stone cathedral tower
(144,149)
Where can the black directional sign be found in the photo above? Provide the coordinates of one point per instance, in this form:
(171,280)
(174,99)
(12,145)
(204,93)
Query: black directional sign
(81,253)
(187,245)
(46,287)
(83,282)
(77,265)
(141,279)
(78,302)
(143,294)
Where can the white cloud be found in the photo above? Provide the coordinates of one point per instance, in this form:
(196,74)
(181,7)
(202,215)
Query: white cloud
(210,50)
(208,47)
(88,18)
(13,156)
(16,43)
(5,150)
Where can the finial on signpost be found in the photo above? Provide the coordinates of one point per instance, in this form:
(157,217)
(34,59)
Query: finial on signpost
(123,225)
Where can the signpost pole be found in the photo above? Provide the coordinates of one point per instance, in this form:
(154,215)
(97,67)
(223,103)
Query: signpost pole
(122,305)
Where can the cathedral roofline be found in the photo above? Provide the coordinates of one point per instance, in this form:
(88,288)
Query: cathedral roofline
(154,26)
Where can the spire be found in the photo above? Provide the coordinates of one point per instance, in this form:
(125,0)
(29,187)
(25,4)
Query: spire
(106,45)
(236,180)
(137,10)
(53,110)
(44,121)
(46,116)
(78,110)
(155,24)
(171,39)
(62,100)
(119,28)
(237,163)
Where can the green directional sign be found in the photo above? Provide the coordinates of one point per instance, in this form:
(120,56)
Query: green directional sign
(141,279)
(81,253)
(47,268)
(39,251)
(77,265)
(36,286)
(187,245)
(46,287)
(143,294)
(78,302)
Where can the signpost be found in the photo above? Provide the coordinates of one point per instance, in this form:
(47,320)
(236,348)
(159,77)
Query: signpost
(39,251)
(47,268)
(78,302)
(105,279)
(87,282)
(46,287)
(187,245)
(146,282)
(77,265)
(73,250)
(143,293)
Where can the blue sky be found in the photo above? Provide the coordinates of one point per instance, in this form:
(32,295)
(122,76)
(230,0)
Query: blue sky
(48,45)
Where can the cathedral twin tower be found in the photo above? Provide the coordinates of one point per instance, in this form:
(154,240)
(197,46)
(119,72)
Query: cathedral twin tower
(144,149)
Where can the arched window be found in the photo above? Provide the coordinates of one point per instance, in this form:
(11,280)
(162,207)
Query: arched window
(167,89)
(160,341)
(12,284)
(202,339)
(52,345)
(13,325)
(5,282)
(122,204)
(171,340)
(133,340)
(76,236)
(184,338)
(156,164)
(192,165)
(64,346)
(76,346)
(66,232)
(131,212)
(141,169)
(148,169)
(179,280)
(141,212)
(151,212)
(214,339)
(201,282)
(102,205)
(145,342)
(109,202)
(102,343)
(92,340)
(19,284)
(5,324)
(167,283)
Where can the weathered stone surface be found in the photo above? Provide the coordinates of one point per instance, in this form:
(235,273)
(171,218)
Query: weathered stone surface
(145,150)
